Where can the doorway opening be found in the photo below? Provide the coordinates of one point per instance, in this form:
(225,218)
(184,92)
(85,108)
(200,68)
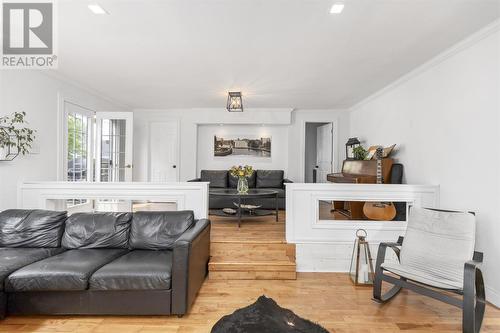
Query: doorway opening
(319,154)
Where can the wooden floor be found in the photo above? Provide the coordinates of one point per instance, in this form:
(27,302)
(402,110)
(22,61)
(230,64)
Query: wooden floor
(326,298)
(255,251)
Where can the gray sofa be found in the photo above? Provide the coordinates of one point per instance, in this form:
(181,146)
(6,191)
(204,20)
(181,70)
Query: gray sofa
(145,263)
(260,179)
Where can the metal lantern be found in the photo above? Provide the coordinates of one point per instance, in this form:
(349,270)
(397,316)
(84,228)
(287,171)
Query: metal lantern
(349,146)
(234,101)
(7,153)
(361,270)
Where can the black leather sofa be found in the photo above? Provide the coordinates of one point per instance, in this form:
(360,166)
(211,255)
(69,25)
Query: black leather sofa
(260,179)
(145,263)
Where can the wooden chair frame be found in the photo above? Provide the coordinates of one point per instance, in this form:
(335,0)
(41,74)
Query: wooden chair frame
(472,303)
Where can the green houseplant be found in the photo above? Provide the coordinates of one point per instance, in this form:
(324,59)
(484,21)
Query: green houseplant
(359,153)
(15,136)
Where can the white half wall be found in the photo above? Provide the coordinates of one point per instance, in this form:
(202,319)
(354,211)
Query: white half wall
(327,245)
(38,94)
(52,195)
(279,147)
(445,119)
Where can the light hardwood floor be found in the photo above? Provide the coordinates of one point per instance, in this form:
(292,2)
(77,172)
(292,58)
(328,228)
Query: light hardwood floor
(256,251)
(327,298)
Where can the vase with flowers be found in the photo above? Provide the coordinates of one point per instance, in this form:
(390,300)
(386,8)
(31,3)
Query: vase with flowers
(242,172)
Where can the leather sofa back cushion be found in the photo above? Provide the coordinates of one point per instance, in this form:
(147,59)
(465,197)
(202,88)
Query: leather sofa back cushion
(217,178)
(159,230)
(233,181)
(270,178)
(97,230)
(31,228)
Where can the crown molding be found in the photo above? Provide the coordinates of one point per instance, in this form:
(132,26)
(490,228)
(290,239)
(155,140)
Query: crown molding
(448,53)
(63,78)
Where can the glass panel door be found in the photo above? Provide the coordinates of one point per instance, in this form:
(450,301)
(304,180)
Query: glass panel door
(78,149)
(114,146)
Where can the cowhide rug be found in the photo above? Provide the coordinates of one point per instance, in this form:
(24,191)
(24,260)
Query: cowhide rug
(265,316)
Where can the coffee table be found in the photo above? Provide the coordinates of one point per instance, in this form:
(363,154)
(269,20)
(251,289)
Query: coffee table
(239,199)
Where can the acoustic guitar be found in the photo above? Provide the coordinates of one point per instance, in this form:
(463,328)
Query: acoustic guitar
(379,211)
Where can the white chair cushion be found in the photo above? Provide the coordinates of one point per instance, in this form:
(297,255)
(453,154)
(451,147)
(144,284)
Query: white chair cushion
(436,247)
(436,279)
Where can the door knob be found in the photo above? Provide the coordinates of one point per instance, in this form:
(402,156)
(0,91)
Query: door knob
(174,166)
(128,166)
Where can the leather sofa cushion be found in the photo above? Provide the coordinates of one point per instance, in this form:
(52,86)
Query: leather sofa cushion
(270,178)
(12,259)
(137,270)
(233,181)
(159,230)
(70,270)
(217,178)
(31,228)
(97,230)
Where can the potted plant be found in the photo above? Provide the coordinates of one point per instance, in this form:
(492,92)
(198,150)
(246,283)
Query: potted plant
(242,172)
(15,137)
(359,153)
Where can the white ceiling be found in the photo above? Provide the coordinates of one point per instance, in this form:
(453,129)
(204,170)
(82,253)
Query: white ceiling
(280,53)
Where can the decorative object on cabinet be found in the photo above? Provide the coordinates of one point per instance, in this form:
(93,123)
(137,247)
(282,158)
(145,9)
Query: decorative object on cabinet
(350,145)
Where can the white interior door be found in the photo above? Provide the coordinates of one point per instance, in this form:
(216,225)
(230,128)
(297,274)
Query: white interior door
(163,151)
(324,151)
(114,136)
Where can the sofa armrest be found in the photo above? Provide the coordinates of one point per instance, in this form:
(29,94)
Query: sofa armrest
(286,181)
(194,180)
(190,265)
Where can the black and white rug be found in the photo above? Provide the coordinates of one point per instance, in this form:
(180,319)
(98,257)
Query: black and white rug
(265,316)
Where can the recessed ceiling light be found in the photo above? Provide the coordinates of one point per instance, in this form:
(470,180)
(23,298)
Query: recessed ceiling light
(337,8)
(96,9)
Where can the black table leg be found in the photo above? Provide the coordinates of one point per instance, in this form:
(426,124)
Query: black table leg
(277,208)
(239,211)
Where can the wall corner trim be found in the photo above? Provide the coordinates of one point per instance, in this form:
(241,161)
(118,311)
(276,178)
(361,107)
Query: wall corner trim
(448,53)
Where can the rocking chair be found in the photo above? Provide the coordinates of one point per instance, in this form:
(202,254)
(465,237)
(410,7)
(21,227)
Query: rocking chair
(437,255)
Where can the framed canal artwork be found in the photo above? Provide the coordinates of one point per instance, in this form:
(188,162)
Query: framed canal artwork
(242,145)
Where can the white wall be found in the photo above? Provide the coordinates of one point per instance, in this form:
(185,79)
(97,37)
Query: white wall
(276,119)
(445,119)
(37,94)
(296,138)
(279,147)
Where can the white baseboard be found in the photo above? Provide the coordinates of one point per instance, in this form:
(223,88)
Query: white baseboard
(493,296)
(330,257)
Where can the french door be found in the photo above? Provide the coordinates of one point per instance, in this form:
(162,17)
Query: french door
(98,147)
(114,132)
(79,143)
